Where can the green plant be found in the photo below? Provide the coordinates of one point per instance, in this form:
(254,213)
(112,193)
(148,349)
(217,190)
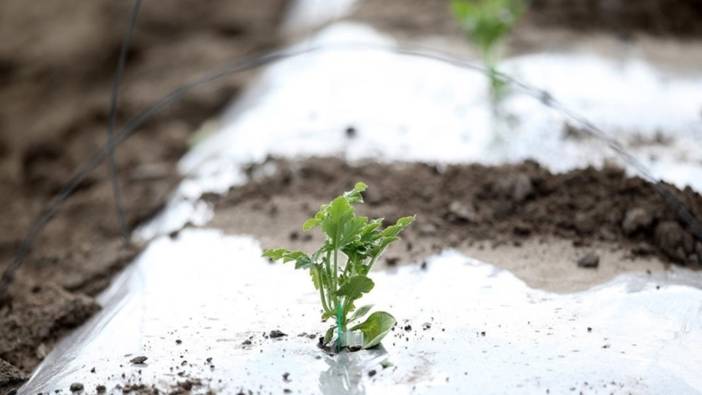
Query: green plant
(339,268)
(487,23)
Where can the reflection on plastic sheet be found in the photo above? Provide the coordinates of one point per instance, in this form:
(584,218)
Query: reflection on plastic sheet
(202,306)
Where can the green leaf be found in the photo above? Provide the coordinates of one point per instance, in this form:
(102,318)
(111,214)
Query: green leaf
(375,328)
(325,211)
(275,253)
(311,223)
(327,315)
(400,225)
(338,212)
(360,312)
(355,286)
(302,261)
(329,335)
(389,234)
(354,196)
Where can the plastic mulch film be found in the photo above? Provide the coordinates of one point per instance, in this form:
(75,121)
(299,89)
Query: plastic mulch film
(206,309)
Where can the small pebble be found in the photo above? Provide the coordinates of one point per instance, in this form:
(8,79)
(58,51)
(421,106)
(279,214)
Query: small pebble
(138,360)
(350,132)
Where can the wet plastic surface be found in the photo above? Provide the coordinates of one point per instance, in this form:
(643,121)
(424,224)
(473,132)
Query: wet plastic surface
(190,305)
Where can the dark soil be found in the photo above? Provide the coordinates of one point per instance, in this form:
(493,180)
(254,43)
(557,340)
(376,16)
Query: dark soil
(658,17)
(10,376)
(57,61)
(655,17)
(504,205)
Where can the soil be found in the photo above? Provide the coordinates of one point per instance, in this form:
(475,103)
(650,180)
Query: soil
(57,61)
(659,17)
(522,217)
(678,18)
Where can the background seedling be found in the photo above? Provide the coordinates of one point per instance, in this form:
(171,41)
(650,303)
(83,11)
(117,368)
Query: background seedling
(339,268)
(487,23)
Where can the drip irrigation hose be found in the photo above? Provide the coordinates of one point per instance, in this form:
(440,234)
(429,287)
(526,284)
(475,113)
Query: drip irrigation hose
(116,82)
(249,63)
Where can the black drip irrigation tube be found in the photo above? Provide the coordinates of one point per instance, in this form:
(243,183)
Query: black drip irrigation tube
(116,82)
(253,62)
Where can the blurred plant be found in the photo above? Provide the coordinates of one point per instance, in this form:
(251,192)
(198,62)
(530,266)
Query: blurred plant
(340,284)
(487,23)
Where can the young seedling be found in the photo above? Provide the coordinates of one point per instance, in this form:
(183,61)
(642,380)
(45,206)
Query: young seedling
(339,268)
(487,23)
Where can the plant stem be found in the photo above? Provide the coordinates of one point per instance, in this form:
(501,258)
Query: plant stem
(336,266)
(326,283)
(330,281)
(325,306)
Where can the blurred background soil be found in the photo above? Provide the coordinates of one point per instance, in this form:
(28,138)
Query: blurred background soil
(57,61)
(665,18)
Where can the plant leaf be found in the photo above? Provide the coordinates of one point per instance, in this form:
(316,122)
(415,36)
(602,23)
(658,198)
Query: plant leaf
(302,261)
(311,223)
(389,234)
(360,312)
(325,210)
(375,328)
(327,315)
(329,335)
(338,213)
(355,286)
(354,196)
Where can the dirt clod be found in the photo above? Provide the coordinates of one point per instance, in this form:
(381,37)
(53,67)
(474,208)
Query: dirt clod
(517,187)
(462,212)
(275,334)
(637,219)
(674,241)
(10,376)
(76,387)
(589,261)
